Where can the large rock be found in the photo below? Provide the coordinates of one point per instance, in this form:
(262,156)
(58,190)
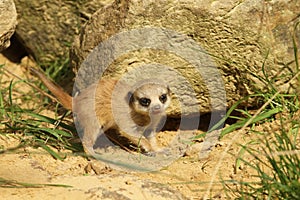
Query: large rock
(244,39)
(47,28)
(8,22)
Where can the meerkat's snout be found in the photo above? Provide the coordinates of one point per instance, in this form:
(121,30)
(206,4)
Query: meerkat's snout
(156,108)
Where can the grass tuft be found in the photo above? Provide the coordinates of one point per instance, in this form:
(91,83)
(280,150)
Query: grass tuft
(276,165)
(34,129)
(275,156)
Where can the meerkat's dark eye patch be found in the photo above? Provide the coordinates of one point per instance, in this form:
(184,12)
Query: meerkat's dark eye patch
(163,98)
(144,102)
(129,98)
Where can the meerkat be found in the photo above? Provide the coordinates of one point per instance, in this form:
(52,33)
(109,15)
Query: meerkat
(134,112)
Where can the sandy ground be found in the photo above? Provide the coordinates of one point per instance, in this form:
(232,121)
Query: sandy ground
(187,177)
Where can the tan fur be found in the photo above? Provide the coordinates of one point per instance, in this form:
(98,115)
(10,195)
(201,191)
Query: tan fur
(97,109)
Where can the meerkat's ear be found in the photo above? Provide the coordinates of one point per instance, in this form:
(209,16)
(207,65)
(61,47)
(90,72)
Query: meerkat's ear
(168,88)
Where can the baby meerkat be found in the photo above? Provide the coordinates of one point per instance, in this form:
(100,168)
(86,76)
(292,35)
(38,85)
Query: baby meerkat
(134,112)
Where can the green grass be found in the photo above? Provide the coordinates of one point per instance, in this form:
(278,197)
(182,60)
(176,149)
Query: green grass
(34,129)
(276,163)
(4,183)
(275,155)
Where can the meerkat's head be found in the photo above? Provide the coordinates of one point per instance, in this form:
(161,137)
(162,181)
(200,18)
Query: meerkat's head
(150,99)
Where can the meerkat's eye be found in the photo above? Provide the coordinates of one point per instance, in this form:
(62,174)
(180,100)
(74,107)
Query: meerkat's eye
(163,98)
(144,102)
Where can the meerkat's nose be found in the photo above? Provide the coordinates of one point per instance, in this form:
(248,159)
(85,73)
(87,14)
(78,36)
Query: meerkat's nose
(156,107)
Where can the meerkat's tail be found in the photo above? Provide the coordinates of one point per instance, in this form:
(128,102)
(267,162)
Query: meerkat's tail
(64,98)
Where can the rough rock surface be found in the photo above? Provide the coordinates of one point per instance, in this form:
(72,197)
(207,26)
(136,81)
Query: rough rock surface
(46,28)
(244,39)
(8,22)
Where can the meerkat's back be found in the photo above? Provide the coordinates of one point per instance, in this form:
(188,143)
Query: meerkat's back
(96,99)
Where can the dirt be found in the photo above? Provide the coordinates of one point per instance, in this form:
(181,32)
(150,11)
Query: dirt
(187,176)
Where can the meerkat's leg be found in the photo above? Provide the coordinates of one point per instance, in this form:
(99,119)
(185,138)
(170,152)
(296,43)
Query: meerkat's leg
(140,142)
(153,142)
(88,141)
(150,135)
(89,137)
